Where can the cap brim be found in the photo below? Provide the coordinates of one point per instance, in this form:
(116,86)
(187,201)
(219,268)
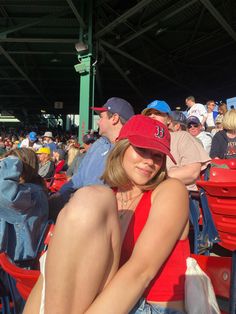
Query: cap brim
(147,110)
(144,142)
(99,108)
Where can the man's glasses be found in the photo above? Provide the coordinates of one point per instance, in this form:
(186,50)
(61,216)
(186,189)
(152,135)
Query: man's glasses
(192,125)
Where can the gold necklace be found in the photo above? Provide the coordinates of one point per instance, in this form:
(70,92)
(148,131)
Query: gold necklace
(124,202)
(124,208)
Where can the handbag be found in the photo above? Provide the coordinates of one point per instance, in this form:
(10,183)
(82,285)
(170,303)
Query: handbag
(199,293)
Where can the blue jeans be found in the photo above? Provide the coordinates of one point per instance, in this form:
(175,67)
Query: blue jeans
(143,307)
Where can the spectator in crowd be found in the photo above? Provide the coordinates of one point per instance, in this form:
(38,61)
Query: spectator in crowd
(23,203)
(222,109)
(224,142)
(211,115)
(48,141)
(31,141)
(218,125)
(160,108)
(46,165)
(195,129)
(178,121)
(149,280)
(113,115)
(2,145)
(8,144)
(72,149)
(88,140)
(196,109)
(190,156)
(59,159)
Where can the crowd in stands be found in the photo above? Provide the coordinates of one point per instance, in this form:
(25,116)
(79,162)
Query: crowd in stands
(139,157)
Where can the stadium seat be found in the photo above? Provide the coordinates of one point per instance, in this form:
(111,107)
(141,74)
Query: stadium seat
(21,280)
(221,199)
(222,272)
(231,163)
(55,183)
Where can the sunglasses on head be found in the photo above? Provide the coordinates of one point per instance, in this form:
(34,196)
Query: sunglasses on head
(192,125)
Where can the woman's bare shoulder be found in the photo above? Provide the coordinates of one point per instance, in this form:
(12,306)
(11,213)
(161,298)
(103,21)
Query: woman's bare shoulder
(170,186)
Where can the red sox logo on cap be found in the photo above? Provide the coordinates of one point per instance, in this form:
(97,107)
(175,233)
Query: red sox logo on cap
(160,133)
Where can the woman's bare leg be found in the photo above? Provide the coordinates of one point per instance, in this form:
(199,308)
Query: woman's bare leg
(84,252)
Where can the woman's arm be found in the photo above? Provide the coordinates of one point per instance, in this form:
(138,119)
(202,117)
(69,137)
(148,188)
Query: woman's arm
(167,222)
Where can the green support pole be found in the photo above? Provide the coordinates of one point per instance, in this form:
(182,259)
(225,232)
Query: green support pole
(86,71)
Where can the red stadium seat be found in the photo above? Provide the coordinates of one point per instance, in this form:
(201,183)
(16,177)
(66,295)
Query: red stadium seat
(221,199)
(231,163)
(57,181)
(219,269)
(25,279)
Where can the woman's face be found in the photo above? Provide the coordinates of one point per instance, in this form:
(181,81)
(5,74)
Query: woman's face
(142,164)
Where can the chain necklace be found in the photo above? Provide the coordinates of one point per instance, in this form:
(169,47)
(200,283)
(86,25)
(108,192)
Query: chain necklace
(124,203)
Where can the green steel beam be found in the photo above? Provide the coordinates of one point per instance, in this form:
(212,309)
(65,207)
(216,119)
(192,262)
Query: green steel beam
(16,66)
(219,18)
(86,70)
(125,77)
(76,13)
(143,64)
(44,19)
(123,17)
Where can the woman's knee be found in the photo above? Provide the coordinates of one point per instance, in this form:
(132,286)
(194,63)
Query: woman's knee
(89,205)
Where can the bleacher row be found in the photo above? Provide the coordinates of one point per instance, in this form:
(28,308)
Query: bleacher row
(216,224)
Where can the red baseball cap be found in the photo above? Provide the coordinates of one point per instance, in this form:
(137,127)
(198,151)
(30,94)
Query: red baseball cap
(145,132)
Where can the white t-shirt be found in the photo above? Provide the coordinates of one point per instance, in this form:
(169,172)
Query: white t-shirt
(197,110)
(206,139)
(25,143)
(210,120)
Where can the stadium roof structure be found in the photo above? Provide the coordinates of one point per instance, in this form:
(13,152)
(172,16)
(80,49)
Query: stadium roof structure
(143,50)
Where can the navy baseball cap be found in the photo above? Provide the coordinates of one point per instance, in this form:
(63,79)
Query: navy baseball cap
(179,117)
(159,105)
(117,105)
(193,119)
(33,136)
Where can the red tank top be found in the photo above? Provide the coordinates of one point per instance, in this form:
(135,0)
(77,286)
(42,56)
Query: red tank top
(168,284)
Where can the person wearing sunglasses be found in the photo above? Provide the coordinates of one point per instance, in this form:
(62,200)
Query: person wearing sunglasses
(194,127)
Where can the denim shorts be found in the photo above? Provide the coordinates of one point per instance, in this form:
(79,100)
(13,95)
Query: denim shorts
(143,307)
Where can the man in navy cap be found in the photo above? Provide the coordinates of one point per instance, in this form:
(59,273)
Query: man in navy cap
(195,129)
(113,115)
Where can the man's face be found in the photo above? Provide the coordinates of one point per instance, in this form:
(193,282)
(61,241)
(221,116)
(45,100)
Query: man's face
(104,123)
(43,157)
(159,116)
(194,129)
(210,107)
(189,103)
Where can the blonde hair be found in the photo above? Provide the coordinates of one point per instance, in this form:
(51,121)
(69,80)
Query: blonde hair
(229,120)
(223,107)
(72,152)
(115,175)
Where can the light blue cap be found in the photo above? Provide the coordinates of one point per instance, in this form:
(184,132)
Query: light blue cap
(160,105)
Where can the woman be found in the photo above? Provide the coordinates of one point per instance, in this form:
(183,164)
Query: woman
(46,165)
(23,203)
(224,142)
(59,159)
(222,109)
(152,238)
